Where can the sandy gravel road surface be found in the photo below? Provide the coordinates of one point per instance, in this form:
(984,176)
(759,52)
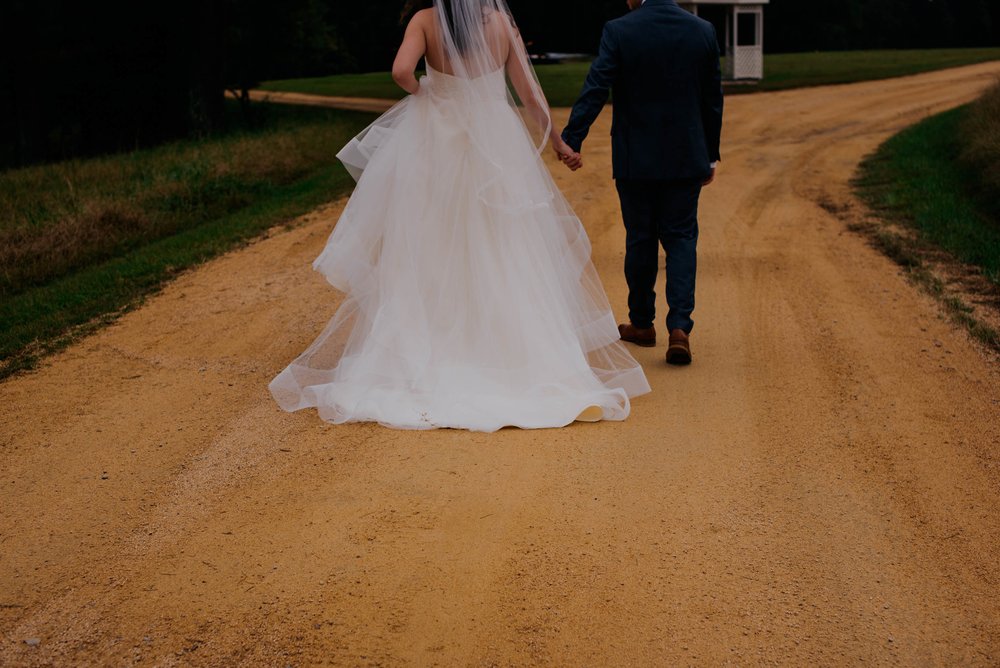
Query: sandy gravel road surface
(822,486)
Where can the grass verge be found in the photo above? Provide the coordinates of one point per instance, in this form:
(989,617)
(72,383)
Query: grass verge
(800,70)
(562,82)
(187,202)
(936,208)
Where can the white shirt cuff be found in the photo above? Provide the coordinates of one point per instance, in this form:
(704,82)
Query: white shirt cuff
(713,164)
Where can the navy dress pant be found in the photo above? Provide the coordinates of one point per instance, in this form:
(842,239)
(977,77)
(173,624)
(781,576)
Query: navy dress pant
(660,213)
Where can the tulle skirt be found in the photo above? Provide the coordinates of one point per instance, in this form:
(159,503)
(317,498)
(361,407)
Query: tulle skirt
(471,301)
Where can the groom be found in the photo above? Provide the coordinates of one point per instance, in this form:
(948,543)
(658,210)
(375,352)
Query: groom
(663,65)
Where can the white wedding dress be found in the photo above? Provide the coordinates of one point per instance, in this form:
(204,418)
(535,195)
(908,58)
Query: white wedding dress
(471,299)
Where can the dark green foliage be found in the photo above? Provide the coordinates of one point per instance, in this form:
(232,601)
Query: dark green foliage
(826,25)
(263,39)
(80,79)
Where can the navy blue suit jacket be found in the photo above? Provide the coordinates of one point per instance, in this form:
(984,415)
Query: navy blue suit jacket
(662,64)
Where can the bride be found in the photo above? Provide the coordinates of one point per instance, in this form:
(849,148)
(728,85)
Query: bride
(471,300)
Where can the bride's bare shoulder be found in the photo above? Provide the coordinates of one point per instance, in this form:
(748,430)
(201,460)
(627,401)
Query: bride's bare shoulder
(424,21)
(424,15)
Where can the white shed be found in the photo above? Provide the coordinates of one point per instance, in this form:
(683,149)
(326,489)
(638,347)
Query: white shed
(744,35)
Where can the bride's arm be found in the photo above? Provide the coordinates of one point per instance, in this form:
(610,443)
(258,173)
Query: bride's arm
(520,79)
(410,52)
(530,93)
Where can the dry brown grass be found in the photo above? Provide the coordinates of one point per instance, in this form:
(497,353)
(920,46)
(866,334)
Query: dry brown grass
(55,219)
(981,139)
(82,242)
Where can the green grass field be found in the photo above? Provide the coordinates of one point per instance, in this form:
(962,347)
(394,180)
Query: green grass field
(782,71)
(940,179)
(84,240)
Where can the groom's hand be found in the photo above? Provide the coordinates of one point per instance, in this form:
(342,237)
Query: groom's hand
(710,180)
(573,160)
(567,155)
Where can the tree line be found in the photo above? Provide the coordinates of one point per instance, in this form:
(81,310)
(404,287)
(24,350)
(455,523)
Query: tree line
(86,78)
(80,79)
(838,25)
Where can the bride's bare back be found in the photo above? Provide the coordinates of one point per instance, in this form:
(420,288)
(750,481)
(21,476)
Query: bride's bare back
(471,48)
(496,29)
(424,39)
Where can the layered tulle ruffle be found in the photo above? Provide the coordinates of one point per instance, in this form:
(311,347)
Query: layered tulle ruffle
(471,298)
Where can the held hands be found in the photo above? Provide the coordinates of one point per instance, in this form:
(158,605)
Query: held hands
(566,155)
(574,160)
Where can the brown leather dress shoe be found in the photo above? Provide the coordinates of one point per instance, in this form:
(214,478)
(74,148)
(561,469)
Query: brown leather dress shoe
(679,352)
(640,337)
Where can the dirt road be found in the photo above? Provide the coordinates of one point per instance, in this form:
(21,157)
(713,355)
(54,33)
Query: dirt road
(822,486)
